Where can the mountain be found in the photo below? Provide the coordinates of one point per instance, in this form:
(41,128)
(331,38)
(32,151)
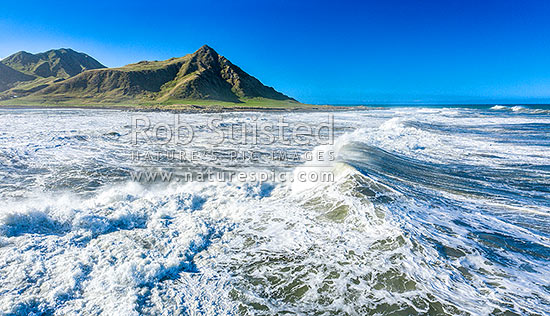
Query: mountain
(9,77)
(203,75)
(24,73)
(59,63)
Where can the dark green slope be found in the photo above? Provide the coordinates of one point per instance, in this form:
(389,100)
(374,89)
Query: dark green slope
(9,77)
(60,63)
(24,73)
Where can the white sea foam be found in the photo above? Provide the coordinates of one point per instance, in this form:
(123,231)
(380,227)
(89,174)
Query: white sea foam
(518,108)
(431,209)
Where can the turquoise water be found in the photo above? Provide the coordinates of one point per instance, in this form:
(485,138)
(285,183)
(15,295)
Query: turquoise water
(433,210)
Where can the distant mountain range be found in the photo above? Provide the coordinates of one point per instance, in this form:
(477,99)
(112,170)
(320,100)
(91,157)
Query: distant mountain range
(65,75)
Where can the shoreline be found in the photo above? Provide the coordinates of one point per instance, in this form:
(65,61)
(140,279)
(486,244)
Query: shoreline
(194,108)
(213,108)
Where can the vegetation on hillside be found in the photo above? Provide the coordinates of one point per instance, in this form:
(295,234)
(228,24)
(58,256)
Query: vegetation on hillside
(24,73)
(203,78)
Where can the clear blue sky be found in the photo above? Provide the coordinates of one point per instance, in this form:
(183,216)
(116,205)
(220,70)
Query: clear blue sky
(316,51)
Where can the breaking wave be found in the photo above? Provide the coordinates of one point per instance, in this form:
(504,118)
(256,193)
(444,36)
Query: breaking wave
(432,211)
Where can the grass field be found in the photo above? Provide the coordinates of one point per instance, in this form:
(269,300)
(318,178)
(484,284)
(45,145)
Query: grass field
(188,104)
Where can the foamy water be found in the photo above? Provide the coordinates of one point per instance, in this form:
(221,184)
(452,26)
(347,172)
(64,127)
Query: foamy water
(438,211)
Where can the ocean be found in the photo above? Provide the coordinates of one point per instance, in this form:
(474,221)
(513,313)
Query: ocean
(439,210)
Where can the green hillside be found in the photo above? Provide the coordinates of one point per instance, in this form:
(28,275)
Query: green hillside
(203,75)
(24,73)
(59,63)
(201,79)
(9,77)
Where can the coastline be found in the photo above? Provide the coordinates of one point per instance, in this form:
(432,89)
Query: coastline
(191,108)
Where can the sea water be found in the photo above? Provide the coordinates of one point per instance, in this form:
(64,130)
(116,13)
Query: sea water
(432,210)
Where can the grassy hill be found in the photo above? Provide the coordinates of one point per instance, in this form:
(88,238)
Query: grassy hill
(198,80)
(24,73)
(9,77)
(203,75)
(59,63)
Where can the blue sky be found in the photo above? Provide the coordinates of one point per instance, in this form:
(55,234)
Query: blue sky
(316,51)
